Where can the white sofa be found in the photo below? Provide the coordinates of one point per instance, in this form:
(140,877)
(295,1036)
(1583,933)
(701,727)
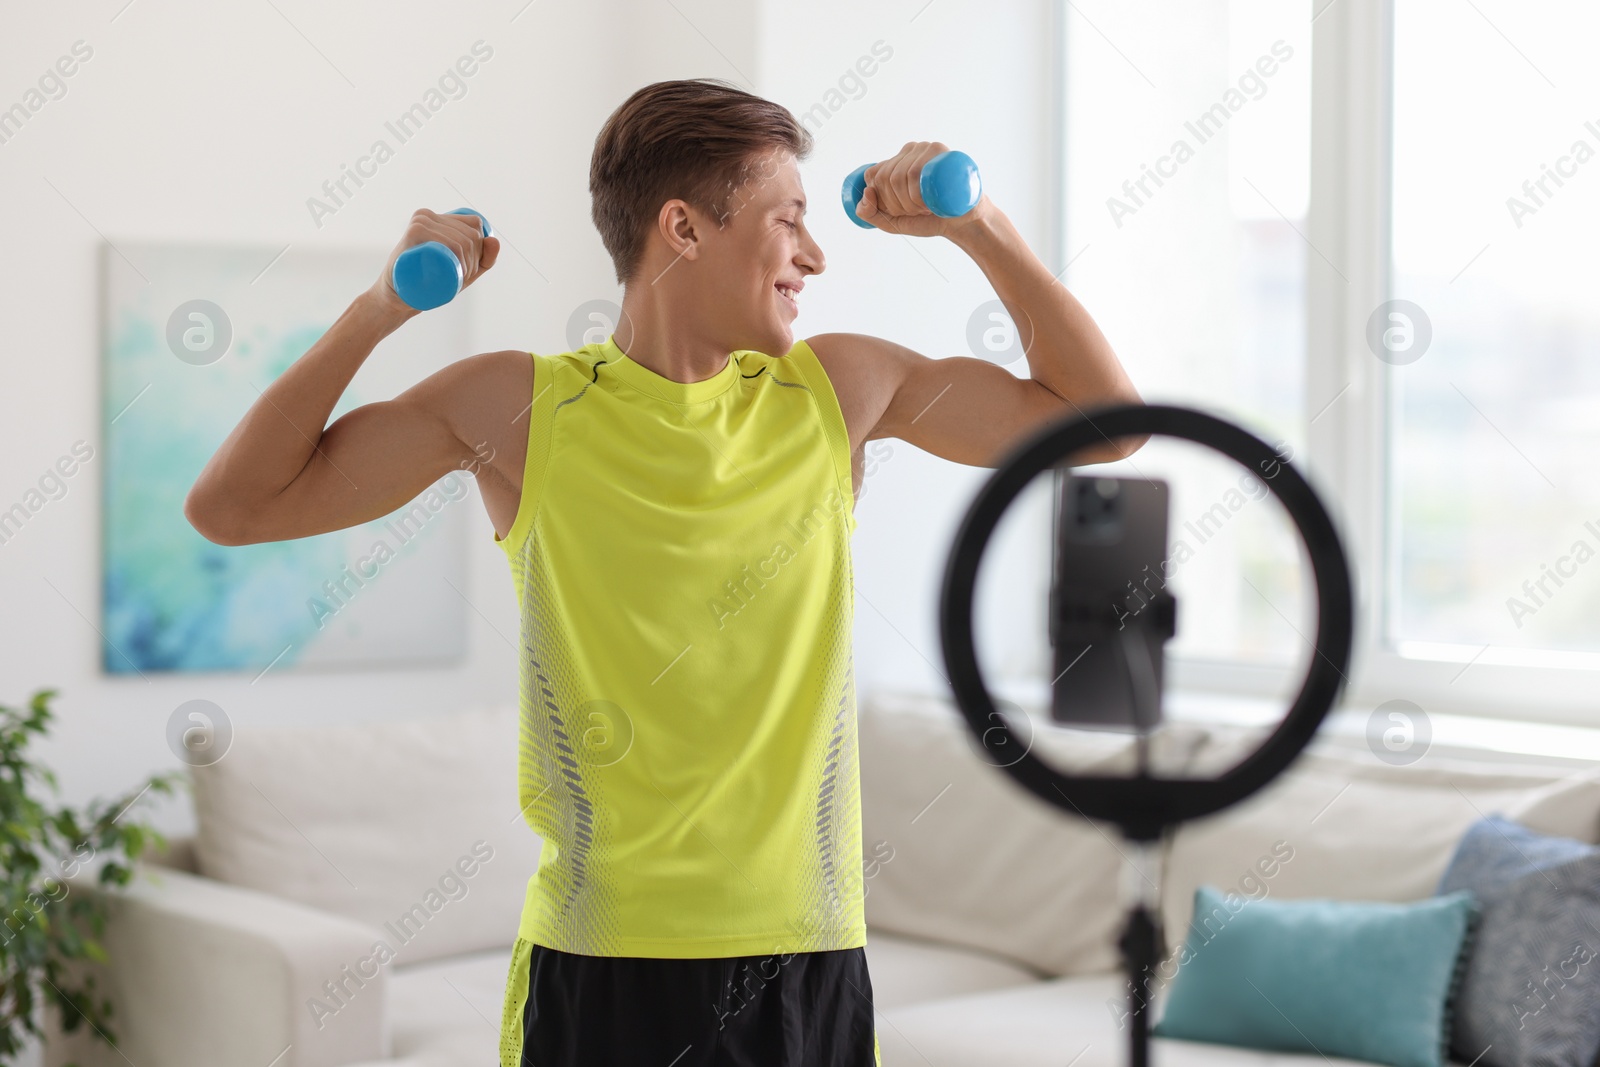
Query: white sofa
(992,918)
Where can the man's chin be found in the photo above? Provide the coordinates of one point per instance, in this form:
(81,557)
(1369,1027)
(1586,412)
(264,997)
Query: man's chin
(780,342)
(769,342)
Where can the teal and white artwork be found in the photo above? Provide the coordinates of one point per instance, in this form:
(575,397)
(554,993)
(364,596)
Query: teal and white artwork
(190,337)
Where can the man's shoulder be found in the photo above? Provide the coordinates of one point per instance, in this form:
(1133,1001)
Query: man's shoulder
(489,369)
(857,360)
(484,390)
(864,371)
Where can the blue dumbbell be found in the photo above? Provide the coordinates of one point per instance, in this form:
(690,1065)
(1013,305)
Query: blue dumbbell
(950,186)
(429,275)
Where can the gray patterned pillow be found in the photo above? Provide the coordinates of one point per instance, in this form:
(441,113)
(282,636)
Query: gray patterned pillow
(1533,977)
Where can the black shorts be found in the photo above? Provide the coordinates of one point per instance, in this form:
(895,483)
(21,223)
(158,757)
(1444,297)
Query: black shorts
(802,1009)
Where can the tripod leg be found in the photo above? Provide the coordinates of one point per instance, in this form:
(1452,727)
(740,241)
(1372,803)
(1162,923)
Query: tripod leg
(1139,956)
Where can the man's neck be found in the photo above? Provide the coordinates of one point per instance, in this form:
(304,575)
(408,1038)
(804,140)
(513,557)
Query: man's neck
(668,345)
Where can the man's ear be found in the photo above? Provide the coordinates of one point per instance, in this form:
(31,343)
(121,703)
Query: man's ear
(677,228)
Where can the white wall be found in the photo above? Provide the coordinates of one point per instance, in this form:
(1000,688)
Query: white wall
(963,75)
(215,123)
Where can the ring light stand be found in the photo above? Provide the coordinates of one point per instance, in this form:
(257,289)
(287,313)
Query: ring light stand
(1142,806)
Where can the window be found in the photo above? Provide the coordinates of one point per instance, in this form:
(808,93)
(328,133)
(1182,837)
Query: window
(1187,179)
(1495,402)
(1381,259)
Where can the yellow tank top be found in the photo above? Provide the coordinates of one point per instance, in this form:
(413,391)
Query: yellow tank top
(681,555)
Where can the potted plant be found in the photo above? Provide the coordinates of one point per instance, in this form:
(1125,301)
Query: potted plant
(48,931)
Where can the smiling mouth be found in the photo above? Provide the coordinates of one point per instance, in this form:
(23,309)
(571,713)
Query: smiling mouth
(788,296)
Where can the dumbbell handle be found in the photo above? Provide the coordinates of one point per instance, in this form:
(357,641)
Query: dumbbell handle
(950,186)
(429,275)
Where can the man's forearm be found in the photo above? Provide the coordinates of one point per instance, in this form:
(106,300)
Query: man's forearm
(279,433)
(1066,351)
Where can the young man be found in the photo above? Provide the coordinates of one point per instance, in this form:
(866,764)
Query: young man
(676,505)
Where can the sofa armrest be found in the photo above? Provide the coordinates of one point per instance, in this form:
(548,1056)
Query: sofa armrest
(203,973)
(178,855)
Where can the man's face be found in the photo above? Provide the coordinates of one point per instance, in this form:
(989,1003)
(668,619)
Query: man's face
(755,263)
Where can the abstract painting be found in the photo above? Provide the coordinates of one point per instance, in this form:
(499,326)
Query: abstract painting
(191,336)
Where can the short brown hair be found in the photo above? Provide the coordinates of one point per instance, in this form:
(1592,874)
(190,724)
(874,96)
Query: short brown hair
(693,140)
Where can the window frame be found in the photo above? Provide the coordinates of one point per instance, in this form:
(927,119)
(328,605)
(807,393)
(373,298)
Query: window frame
(1349,393)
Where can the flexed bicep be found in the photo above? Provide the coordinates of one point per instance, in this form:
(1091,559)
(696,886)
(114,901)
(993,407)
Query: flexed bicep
(374,458)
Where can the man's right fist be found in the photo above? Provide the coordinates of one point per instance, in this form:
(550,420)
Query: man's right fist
(439,255)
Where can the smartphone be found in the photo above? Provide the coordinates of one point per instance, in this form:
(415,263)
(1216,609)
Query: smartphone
(1110,612)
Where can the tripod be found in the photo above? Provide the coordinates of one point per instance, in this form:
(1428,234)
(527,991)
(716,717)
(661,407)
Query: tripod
(1143,806)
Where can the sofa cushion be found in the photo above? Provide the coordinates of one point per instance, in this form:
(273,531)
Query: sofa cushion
(1567,808)
(907,970)
(1532,981)
(1065,1022)
(411,827)
(959,853)
(1343,826)
(1368,980)
(446,1013)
